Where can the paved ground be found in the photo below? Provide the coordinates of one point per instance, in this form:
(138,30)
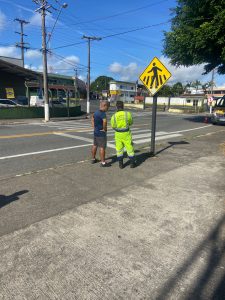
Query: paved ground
(78,231)
(37,145)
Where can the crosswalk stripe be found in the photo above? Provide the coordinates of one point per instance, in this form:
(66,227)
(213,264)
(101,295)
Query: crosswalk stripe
(133,131)
(111,132)
(158,138)
(137,136)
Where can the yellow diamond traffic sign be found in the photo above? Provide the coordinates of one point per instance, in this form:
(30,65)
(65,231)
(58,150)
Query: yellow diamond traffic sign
(155,76)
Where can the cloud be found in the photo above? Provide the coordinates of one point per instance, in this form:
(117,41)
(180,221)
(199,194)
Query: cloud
(35,20)
(2,20)
(63,65)
(31,67)
(185,74)
(30,54)
(10,51)
(127,72)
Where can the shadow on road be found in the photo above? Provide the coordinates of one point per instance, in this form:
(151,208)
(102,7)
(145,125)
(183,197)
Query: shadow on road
(171,144)
(142,157)
(198,119)
(4,200)
(210,283)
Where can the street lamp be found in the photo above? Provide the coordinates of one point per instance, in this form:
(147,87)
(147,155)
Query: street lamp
(65,5)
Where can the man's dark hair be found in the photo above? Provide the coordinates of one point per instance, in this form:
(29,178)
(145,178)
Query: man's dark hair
(119,104)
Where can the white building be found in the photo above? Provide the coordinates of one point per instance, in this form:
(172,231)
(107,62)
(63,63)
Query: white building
(218,91)
(122,90)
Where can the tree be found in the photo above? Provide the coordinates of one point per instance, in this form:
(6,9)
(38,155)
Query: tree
(177,89)
(101,83)
(165,91)
(196,84)
(197,34)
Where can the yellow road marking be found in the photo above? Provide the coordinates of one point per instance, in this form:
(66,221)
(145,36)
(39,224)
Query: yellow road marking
(41,133)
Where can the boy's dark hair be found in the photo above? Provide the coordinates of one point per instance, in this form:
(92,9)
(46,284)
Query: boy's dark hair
(119,104)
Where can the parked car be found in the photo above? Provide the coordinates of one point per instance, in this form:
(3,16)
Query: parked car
(7,103)
(21,100)
(218,115)
(63,101)
(56,103)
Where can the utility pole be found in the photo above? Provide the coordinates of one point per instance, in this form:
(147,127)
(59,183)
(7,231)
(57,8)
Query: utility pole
(89,39)
(212,81)
(22,44)
(212,84)
(75,86)
(43,9)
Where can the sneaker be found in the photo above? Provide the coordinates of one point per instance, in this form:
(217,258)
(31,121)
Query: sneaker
(93,161)
(105,165)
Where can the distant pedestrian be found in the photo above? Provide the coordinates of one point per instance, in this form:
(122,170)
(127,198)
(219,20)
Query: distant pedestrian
(99,123)
(121,122)
(164,107)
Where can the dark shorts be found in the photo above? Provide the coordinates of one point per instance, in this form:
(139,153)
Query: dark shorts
(100,141)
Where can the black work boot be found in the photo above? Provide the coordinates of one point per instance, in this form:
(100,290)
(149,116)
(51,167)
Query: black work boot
(132,163)
(121,164)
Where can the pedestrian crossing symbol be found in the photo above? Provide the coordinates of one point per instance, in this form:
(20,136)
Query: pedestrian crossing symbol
(155,76)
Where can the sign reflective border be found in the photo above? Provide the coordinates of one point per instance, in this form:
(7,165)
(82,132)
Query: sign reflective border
(155,76)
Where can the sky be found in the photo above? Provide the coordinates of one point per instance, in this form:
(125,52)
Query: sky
(131,32)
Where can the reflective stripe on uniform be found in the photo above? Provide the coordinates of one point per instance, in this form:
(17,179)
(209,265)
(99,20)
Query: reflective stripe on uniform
(115,120)
(126,119)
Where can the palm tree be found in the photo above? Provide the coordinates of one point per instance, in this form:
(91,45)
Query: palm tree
(196,85)
(187,86)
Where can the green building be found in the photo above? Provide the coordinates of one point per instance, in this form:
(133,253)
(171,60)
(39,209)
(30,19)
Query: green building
(17,82)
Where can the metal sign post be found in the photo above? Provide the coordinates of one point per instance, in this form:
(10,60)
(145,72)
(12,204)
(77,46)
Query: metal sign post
(154,77)
(153,130)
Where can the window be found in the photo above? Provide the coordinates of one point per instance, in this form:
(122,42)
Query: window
(188,101)
(195,102)
(132,88)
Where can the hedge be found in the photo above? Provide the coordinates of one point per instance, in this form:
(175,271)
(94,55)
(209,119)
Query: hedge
(38,112)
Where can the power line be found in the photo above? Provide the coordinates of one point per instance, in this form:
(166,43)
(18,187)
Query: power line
(133,30)
(120,13)
(66,60)
(116,34)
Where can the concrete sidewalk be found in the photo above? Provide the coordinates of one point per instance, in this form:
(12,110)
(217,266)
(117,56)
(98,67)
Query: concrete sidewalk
(155,232)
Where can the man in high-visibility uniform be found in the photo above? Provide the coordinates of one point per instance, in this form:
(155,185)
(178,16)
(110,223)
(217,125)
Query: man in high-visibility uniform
(121,122)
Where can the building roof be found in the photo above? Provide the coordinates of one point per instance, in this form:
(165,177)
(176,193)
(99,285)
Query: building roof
(28,74)
(17,70)
(127,82)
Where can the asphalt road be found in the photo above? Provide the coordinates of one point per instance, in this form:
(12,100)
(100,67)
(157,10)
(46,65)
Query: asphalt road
(36,146)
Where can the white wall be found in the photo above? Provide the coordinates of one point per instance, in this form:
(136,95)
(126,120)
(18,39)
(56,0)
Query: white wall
(125,86)
(176,101)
